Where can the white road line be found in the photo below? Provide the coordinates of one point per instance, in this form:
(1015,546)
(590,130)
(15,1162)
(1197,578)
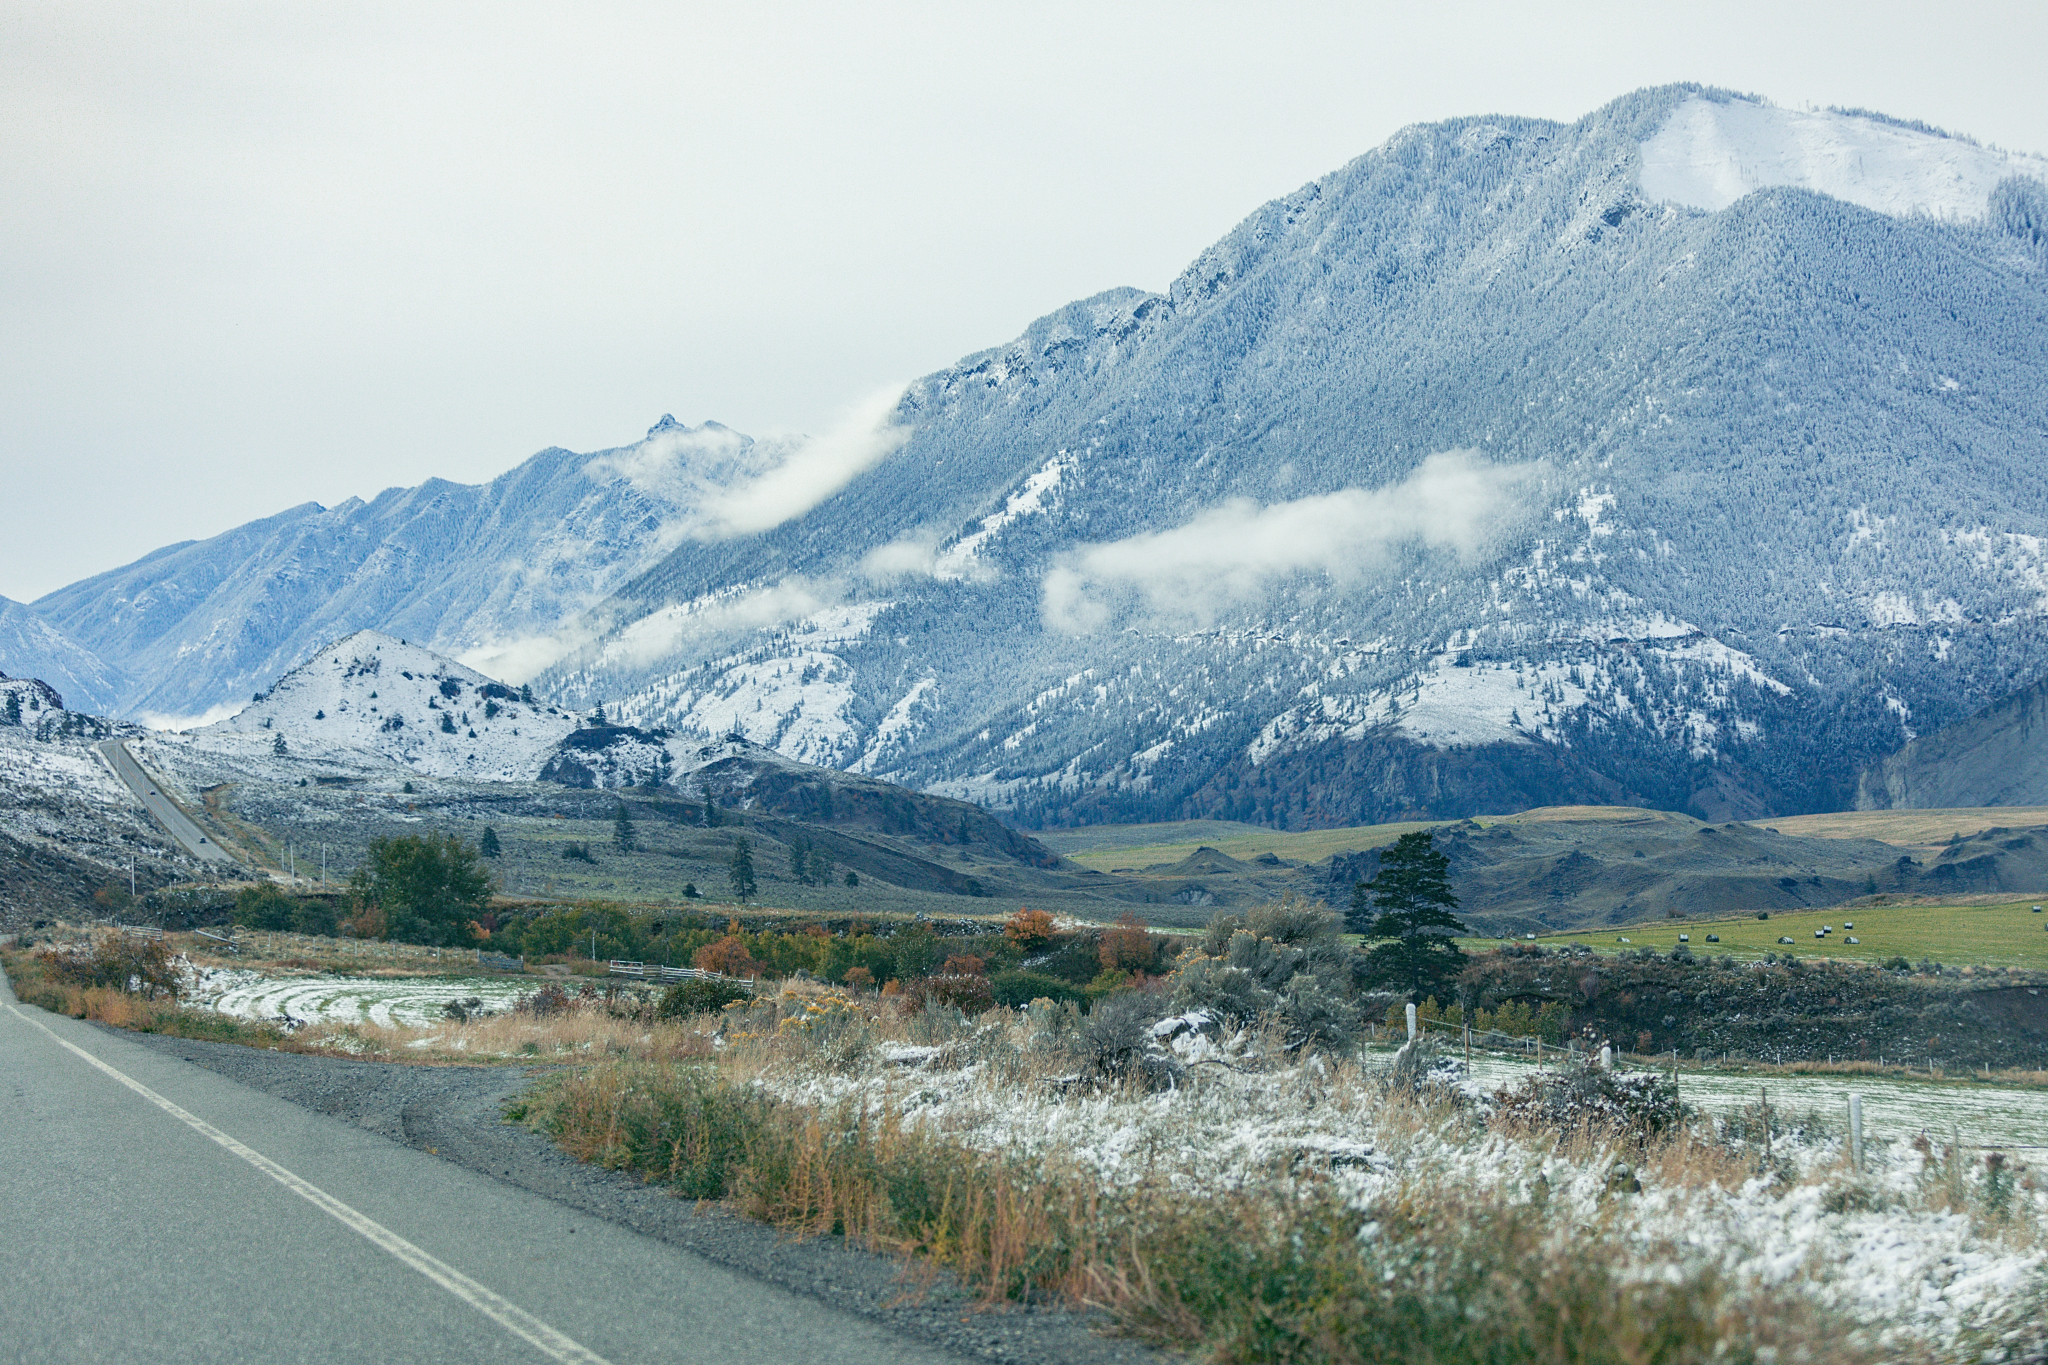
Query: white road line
(514,1319)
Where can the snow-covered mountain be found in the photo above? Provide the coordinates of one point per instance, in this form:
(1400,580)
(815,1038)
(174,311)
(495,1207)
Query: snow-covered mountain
(1693,454)
(475,571)
(30,647)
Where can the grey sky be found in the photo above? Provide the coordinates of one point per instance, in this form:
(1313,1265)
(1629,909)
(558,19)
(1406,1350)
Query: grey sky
(252,255)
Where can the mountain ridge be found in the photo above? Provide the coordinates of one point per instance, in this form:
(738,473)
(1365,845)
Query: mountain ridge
(1205,554)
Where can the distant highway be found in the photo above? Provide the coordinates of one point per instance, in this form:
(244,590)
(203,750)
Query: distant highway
(158,805)
(152,1210)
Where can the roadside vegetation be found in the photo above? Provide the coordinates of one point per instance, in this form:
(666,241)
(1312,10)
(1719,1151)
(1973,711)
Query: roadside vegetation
(1201,1139)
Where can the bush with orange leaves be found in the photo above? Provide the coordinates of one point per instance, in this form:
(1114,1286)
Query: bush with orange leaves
(964,964)
(1030,930)
(728,957)
(1128,945)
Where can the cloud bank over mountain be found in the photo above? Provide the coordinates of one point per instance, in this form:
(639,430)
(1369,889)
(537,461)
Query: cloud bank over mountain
(1239,554)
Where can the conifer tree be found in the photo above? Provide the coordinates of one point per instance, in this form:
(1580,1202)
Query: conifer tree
(740,871)
(489,845)
(624,837)
(1406,910)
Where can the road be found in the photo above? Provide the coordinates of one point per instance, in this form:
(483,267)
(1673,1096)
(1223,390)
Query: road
(152,1210)
(157,804)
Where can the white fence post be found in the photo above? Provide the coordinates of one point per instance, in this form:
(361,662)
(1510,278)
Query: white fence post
(1411,1022)
(1856,1131)
(1607,1056)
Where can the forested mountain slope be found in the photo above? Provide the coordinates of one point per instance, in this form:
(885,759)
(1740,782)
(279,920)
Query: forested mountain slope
(1691,455)
(1755,489)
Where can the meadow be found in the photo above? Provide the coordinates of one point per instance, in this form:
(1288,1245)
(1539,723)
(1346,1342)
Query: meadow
(2005,934)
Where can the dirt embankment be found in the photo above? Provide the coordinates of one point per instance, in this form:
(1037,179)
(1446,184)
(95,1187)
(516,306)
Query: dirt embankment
(1789,1010)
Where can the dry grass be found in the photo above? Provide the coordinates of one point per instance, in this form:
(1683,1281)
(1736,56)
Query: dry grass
(574,1035)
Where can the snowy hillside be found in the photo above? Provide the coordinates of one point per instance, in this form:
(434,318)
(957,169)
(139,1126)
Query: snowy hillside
(370,700)
(67,824)
(1691,455)
(31,647)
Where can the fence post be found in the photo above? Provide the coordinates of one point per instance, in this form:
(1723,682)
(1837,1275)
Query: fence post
(1411,1021)
(1607,1056)
(1856,1132)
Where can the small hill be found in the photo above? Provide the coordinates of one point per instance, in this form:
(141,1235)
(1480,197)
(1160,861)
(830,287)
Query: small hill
(1997,757)
(370,699)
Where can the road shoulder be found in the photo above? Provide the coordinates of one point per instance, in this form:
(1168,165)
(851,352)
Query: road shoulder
(456,1113)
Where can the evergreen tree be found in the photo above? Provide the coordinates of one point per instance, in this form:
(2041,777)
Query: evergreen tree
(489,845)
(1409,901)
(624,837)
(740,871)
(821,868)
(800,858)
(13,711)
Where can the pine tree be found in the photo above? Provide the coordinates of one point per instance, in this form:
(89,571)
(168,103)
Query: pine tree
(489,845)
(799,858)
(624,837)
(1411,894)
(740,871)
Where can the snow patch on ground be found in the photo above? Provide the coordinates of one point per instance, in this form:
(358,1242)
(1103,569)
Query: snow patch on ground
(1711,153)
(344,999)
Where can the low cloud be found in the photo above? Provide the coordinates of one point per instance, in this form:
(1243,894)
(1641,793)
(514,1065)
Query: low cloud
(719,483)
(660,634)
(160,720)
(797,473)
(907,557)
(1234,554)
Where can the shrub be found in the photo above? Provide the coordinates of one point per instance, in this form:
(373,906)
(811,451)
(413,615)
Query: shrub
(115,962)
(728,956)
(1128,946)
(699,995)
(1030,930)
(1634,1104)
(264,907)
(968,992)
(1021,988)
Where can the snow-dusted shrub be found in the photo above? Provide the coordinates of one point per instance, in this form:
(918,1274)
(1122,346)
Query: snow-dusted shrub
(1635,1104)
(1281,963)
(1117,1042)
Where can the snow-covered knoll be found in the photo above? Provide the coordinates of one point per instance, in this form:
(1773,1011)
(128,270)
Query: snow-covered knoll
(371,698)
(1712,152)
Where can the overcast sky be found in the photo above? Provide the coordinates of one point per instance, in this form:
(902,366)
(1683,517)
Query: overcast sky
(254,255)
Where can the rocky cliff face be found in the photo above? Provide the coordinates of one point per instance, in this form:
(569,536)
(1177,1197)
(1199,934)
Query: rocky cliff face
(1997,757)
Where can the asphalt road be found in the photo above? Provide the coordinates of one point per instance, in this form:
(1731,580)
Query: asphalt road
(152,1210)
(158,805)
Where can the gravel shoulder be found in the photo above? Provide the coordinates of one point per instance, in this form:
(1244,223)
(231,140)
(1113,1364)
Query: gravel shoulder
(456,1113)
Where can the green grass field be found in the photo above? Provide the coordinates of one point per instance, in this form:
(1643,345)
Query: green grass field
(2008,935)
(1109,847)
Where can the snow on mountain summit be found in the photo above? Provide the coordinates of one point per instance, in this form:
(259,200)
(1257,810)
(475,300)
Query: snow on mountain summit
(1711,152)
(370,697)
